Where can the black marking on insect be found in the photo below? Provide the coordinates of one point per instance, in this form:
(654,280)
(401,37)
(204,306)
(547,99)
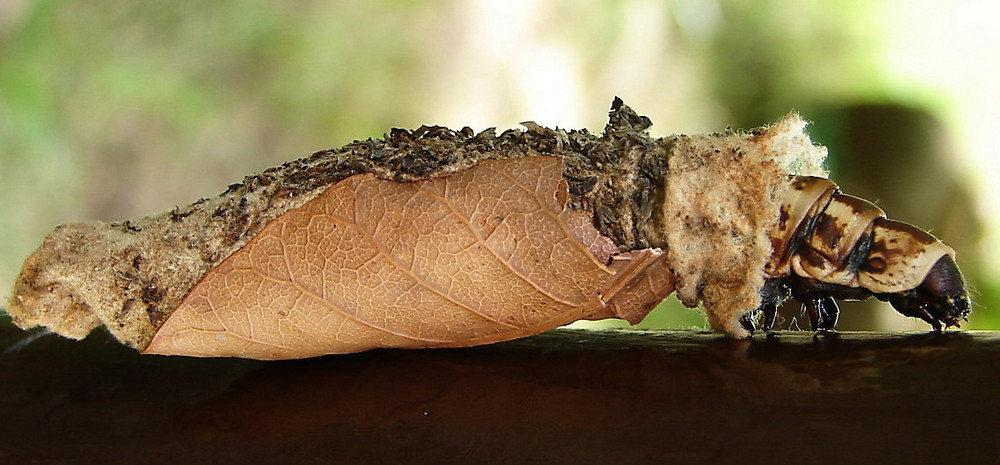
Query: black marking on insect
(828,245)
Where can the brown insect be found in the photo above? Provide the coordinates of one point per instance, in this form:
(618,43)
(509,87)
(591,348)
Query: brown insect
(442,238)
(828,245)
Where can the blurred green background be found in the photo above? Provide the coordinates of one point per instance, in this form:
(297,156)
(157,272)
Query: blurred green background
(117,109)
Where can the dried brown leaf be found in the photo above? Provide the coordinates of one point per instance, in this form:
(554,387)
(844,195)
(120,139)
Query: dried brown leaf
(487,254)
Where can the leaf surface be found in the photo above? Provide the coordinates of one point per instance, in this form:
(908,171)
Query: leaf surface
(487,254)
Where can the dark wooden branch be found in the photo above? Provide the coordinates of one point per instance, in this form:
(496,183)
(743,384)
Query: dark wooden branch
(561,397)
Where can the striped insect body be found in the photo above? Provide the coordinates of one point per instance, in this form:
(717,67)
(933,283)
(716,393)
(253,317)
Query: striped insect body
(828,245)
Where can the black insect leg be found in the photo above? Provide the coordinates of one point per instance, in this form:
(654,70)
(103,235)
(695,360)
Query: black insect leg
(823,313)
(812,309)
(770,315)
(746,321)
(775,292)
(829,314)
(910,307)
(923,314)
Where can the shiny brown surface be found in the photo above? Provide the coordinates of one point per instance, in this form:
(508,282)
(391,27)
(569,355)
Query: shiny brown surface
(561,397)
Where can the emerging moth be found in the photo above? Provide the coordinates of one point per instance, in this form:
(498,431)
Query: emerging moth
(442,238)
